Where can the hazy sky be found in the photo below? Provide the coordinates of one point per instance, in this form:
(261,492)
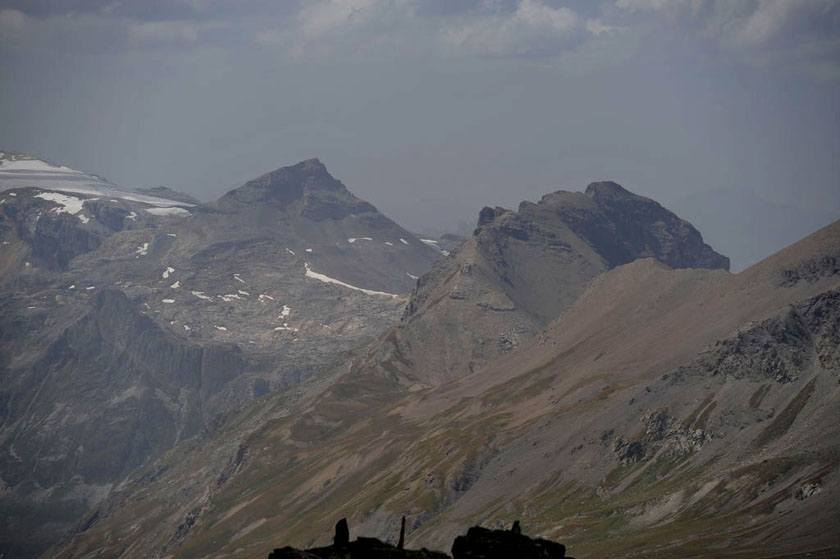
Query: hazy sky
(433,109)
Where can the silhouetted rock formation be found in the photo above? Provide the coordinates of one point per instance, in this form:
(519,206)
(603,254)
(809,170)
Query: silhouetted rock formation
(342,534)
(479,543)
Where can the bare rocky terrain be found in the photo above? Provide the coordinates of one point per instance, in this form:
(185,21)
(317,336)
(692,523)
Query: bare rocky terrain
(132,320)
(664,412)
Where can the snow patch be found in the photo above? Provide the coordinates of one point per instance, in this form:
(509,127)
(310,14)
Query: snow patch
(389,243)
(403,241)
(187,328)
(222,328)
(83,218)
(237,278)
(290,251)
(229,297)
(171,235)
(327,279)
(430,242)
(166,272)
(89,288)
(245,293)
(201,295)
(174,210)
(309,250)
(132,216)
(142,250)
(351,240)
(263,297)
(30,165)
(72,286)
(285,312)
(412,276)
(168,301)
(67,204)
(176,285)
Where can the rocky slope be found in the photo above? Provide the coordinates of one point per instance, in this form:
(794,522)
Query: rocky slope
(667,413)
(131,322)
(521,269)
(392,432)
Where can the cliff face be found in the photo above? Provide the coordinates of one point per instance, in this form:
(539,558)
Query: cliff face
(110,392)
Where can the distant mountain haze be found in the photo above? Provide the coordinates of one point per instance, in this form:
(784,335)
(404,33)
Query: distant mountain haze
(746,226)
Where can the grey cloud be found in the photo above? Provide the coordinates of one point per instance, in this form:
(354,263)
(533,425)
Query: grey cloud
(793,35)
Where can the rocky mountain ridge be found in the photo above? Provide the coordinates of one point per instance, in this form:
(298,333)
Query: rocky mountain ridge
(521,269)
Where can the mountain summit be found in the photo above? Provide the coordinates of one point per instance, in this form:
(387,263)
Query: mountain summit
(307,183)
(521,269)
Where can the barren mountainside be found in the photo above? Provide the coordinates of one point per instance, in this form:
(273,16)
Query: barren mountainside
(131,322)
(665,413)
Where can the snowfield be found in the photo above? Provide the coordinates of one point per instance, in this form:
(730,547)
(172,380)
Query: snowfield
(66,204)
(327,279)
(21,171)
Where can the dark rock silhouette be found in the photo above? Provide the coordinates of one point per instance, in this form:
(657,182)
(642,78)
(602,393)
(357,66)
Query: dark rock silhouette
(479,543)
(342,534)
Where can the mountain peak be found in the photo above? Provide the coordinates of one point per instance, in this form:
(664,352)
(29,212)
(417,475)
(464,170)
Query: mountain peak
(283,186)
(607,189)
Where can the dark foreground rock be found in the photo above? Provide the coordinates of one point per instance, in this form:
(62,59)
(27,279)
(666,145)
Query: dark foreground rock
(479,543)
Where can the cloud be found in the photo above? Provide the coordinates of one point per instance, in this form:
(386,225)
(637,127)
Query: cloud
(645,5)
(168,32)
(531,29)
(12,20)
(798,35)
(597,27)
(338,27)
(524,28)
